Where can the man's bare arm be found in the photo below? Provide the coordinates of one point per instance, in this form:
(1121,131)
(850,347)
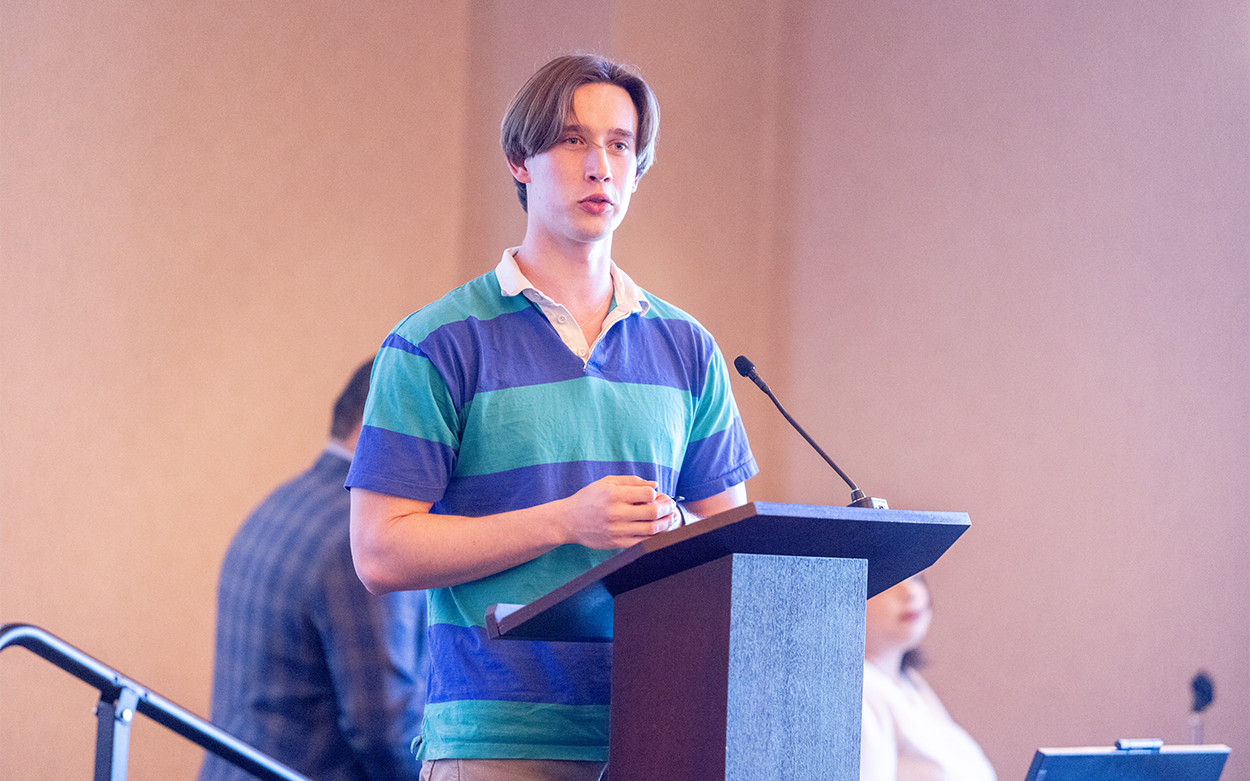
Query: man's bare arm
(398,544)
(732,497)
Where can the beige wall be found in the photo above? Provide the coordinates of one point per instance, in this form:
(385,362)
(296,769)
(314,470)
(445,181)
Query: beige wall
(995,257)
(1032,224)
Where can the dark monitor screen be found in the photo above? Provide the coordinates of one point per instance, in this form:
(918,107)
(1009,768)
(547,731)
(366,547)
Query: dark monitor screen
(1109,763)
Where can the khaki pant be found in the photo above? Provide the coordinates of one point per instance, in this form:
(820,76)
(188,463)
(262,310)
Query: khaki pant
(511,770)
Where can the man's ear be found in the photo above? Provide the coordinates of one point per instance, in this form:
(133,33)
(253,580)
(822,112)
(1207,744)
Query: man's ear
(637,179)
(522,174)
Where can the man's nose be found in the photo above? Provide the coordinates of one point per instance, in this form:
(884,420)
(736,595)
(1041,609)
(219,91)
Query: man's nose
(598,168)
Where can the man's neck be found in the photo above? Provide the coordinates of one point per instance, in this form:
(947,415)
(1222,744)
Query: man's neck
(577,275)
(343,448)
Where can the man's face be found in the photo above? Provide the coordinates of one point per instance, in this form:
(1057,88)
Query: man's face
(578,191)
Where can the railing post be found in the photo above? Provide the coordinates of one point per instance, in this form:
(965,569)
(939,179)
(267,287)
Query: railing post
(112,737)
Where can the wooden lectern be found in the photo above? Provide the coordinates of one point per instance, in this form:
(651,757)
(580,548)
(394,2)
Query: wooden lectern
(738,641)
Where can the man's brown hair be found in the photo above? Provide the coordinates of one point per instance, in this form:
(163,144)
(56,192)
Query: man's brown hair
(536,116)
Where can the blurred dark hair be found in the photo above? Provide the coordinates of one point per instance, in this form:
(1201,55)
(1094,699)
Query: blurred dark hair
(350,406)
(914,659)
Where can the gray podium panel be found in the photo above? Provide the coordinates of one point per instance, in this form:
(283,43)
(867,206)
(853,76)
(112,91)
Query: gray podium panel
(748,668)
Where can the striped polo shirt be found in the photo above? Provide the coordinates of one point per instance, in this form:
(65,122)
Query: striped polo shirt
(479,405)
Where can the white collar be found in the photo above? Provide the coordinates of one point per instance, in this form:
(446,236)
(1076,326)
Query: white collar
(513,283)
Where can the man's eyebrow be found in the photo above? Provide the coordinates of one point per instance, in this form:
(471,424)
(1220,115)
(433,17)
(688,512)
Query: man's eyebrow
(581,129)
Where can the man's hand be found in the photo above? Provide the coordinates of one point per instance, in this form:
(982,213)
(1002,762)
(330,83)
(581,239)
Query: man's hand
(618,511)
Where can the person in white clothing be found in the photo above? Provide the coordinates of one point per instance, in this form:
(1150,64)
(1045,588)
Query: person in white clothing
(907,735)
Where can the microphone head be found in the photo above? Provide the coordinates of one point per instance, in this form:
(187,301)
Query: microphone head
(744,366)
(1203,691)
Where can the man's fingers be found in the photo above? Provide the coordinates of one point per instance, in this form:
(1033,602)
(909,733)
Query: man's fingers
(638,530)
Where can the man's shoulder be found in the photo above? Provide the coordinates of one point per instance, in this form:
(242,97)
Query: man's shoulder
(304,506)
(658,308)
(479,298)
(677,326)
(324,477)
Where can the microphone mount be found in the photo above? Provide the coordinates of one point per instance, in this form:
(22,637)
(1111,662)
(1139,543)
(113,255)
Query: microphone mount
(858,499)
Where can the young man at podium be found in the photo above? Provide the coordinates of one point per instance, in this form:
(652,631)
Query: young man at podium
(530,423)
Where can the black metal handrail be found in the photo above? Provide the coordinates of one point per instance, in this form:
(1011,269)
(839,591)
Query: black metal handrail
(121,698)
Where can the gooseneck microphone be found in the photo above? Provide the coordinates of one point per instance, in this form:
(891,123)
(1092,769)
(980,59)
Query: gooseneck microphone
(747,369)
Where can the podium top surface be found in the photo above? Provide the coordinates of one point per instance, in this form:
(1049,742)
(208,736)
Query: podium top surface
(896,544)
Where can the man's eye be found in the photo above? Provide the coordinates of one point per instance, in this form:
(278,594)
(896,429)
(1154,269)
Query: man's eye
(571,140)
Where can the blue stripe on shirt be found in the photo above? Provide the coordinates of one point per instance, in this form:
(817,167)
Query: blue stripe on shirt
(519,670)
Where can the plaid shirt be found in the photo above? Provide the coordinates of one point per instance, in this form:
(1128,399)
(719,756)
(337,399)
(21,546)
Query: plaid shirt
(310,667)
